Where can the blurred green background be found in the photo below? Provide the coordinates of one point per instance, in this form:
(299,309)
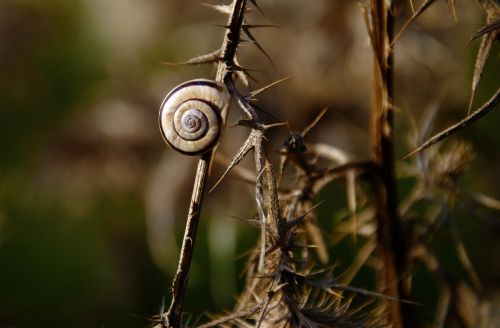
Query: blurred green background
(92,203)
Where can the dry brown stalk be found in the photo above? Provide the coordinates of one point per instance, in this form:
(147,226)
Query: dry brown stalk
(226,66)
(391,238)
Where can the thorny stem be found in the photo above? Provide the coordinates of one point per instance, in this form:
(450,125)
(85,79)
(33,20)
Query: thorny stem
(174,315)
(259,195)
(173,318)
(390,234)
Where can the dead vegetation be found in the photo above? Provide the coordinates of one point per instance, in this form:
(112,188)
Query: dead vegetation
(291,279)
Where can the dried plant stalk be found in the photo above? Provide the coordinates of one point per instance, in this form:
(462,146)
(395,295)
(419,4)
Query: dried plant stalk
(173,317)
(390,235)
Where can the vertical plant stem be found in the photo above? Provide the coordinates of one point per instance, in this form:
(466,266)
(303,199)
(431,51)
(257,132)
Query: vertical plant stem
(390,235)
(173,317)
(259,196)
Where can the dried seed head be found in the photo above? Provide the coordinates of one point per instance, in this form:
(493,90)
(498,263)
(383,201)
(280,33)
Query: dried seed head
(295,144)
(450,165)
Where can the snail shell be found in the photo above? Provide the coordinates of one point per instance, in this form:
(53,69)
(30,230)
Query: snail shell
(190,116)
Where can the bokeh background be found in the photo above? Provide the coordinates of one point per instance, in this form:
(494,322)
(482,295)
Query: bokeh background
(92,202)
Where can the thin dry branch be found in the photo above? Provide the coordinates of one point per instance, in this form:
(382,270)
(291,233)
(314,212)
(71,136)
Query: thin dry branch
(477,114)
(390,234)
(173,318)
(489,27)
(425,5)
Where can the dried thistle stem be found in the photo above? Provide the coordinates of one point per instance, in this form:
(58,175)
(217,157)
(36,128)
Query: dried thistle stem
(173,318)
(390,235)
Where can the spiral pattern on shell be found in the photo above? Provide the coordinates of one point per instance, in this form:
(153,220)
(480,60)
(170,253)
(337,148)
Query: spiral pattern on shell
(190,116)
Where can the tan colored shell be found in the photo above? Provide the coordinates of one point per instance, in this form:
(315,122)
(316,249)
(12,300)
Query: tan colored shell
(190,116)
